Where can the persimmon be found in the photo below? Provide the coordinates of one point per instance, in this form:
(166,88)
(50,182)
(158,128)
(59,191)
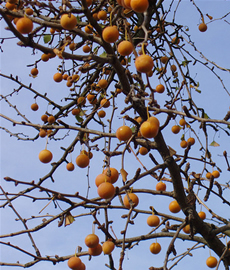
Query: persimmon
(124,133)
(105,103)
(202,215)
(106,190)
(86,49)
(148,129)
(160,186)
(95,251)
(45,156)
(216,174)
(34,107)
(133,197)
(183,144)
(125,47)
(144,63)
(211,262)
(68,21)
(101,114)
(155,248)
(174,207)
(24,25)
(139,6)
(175,129)
(44,118)
(74,263)
(153,221)
(82,160)
(110,34)
(34,72)
(51,119)
(112,173)
(91,240)
(186,229)
(101,178)
(102,15)
(70,166)
(191,140)
(103,83)
(76,111)
(107,247)
(143,151)
(57,77)
(203,27)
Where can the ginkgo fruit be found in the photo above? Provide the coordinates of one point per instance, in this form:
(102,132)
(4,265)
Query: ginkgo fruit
(91,240)
(133,197)
(160,186)
(143,151)
(174,207)
(107,247)
(144,63)
(160,88)
(148,129)
(57,77)
(153,221)
(45,156)
(125,48)
(101,178)
(211,262)
(124,133)
(68,21)
(112,173)
(74,263)
(202,215)
(175,129)
(203,27)
(82,160)
(24,25)
(110,34)
(106,190)
(34,71)
(155,248)
(139,6)
(95,251)
(34,107)
(70,166)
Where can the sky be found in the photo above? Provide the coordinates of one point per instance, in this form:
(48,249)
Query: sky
(19,159)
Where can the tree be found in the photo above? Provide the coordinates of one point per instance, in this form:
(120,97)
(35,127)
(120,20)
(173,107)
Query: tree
(116,91)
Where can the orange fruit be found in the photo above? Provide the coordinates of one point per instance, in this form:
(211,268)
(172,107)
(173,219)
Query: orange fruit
(51,119)
(106,190)
(108,246)
(175,129)
(186,229)
(110,34)
(173,68)
(112,173)
(208,175)
(191,140)
(34,71)
(153,221)
(101,114)
(90,97)
(149,129)
(176,40)
(160,186)
(143,151)
(101,178)
(45,57)
(203,27)
(102,15)
(133,197)
(86,49)
(174,207)
(155,248)
(144,63)
(216,174)
(34,106)
(89,29)
(29,11)
(57,77)
(74,263)
(42,133)
(96,251)
(70,166)
(139,6)
(183,144)
(154,121)
(202,215)
(125,48)
(89,2)
(76,111)
(124,133)
(91,240)
(44,118)
(160,88)
(82,160)
(164,59)
(24,25)
(82,266)
(10,6)
(105,103)
(81,101)
(45,156)
(211,262)
(182,122)
(68,21)
(103,83)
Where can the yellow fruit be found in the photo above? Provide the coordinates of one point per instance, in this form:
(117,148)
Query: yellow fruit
(24,25)
(106,190)
(153,221)
(133,197)
(102,178)
(91,240)
(148,129)
(174,207)
(155,248)
(108,247)
(68,21)
(110,34)
(95,251)
(139,6)
(144,63)
(74,263)
(45,156)
(216,174)
(125,48)
(124,133)
(211,262)
(112,173)
(82,160)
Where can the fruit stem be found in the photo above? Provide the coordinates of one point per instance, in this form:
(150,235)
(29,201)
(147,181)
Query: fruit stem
(93,228)
(143,48)
(46,141)
(148,112)
(46,205)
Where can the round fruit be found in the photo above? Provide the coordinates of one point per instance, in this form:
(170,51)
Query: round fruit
(216,174)
(57,77)
(110,34)
(144,63)
(101,114)
(68,21)
(202,215)
(76,111)
(183,144)
(211,262)
(155,248)
(74,263)
(102,178)
(143,151)
(191,140)
(42,133)
(103,83)
(51,119)
(182,122)
(175,40)
(148,129)
(24,25)
(133,197)
(125,48)
(160,186)
(96,251)
(208,175)
(70,166)
(81,101)
(86,49)
(34,106)
(153,221)
(173,68)
(203,27)
(102,15)
(45,57)
(45,156)
(186,229)
(154,121)
(44,118)
(124,133)
(112,173)
(29,11)
(82,161)
(10,6)
(174,207)
(139,6)
(164,59)
(108,247)
(89,29)
(91,240)
(34,71)
(105,103)
(160,88)
(175,129)
(106,190)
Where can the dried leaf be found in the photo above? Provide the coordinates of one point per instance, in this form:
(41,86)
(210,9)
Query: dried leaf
(124,174)
(214,144)
(69,219)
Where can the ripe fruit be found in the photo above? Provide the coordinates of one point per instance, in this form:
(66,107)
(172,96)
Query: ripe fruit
(154,121)
(182,122)
(34,106)
(91,240)
(108,246)
(82,160)
(203,27)
(202,215)
(74,263)
(183,144)
(173,68)
(124,133)
(86,49)
(216,174)
(125,48)
(101,114)
(164,59)
(155,248)
(110,34)
(208,175)
(160,186)
(42,133)
(133,197)
(144,63)
(96,251)
(45,57)
(191,140)
(70,166)
(45,156)
(175,40)
(57,77)
(81,101)
(160,88)
(29,11)
(103,83)
(44,118)
(175,129)
(68,21)
(143,151)
(149,129)
(24,25)
(102,15)
(34,71)
(51,119)
(10,6)
(76,111)
(211,262)
(186,229)
(139,6)
(153,221)
(81,267)
(112,173)
(89,29)
(105,103)
(106,190)
(101,178)
(174,207)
